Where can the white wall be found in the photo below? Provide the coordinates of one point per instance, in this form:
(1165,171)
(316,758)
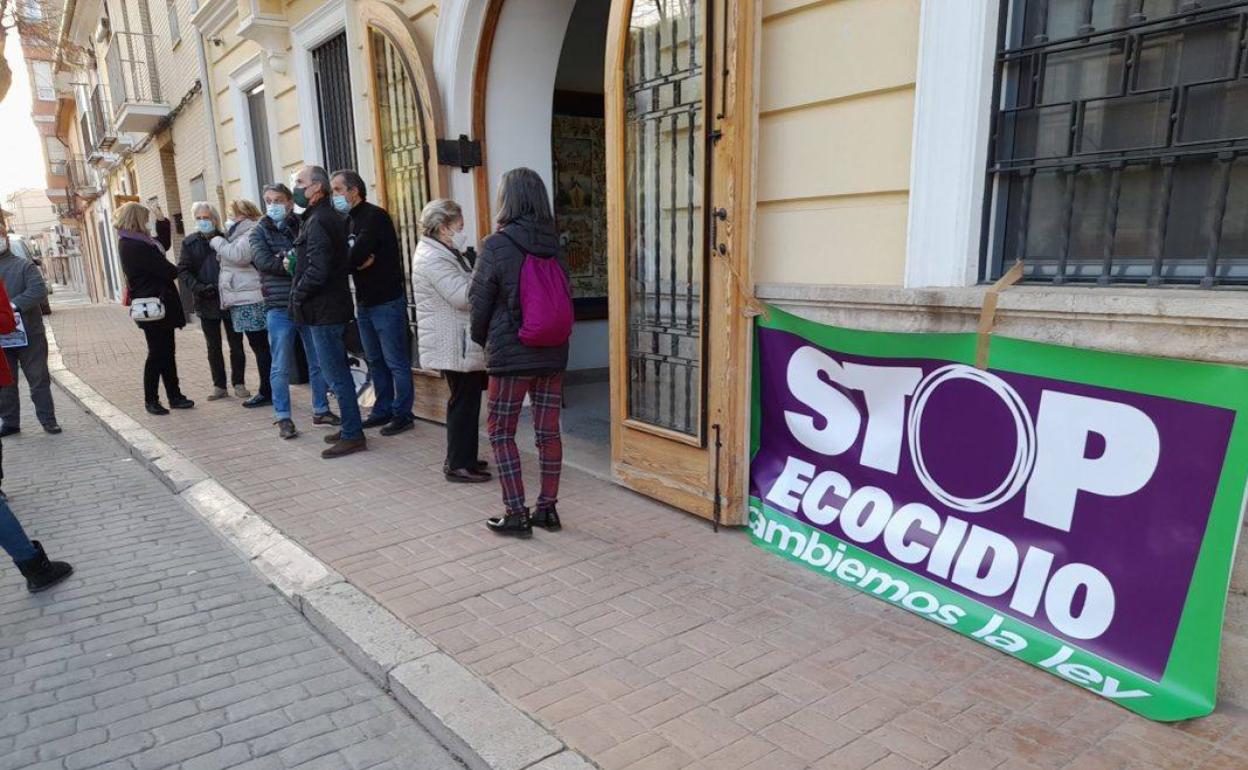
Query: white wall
(521,86)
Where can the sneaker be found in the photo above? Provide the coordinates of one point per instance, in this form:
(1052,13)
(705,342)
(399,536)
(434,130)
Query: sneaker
(257,401)
(52,428)
(155,407)
(467,476)
(241,391)
(9,430)
(218,394)
(286,429)
(376,421)
(398,425)
(514,524)
(344,447)
(181,403)
(326,418)
(547,518)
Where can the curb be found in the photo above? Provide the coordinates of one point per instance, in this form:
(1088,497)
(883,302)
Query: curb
(459,709)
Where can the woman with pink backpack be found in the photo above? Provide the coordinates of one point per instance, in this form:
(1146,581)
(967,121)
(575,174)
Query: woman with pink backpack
(522,314)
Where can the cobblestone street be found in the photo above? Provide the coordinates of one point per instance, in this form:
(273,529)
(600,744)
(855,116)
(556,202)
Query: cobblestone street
(165,649)
(637,635)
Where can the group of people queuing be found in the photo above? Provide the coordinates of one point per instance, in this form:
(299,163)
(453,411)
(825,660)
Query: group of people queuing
(497,323)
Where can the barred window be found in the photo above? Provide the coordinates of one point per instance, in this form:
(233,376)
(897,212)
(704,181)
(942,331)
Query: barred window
(1120,142)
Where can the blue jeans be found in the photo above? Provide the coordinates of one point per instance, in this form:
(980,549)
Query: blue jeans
(383,333)
(12,537)
(331,353)
(282,331)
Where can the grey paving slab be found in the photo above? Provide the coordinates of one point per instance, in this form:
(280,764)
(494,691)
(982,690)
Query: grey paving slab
(166,649)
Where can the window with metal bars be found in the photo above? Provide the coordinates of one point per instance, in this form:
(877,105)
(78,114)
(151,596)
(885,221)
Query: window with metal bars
(1120,142)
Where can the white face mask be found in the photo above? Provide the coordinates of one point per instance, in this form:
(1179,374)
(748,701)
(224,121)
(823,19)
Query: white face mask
(459,239)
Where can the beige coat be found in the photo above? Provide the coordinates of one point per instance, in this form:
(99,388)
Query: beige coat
(440,291)
(240,281)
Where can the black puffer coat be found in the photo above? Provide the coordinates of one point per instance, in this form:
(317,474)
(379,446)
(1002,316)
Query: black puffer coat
(321,294)
(495,299)
(199,270)
(269,244)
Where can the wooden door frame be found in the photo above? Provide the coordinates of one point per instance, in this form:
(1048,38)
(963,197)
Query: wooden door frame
(402,34)
(732,103)
(480,84)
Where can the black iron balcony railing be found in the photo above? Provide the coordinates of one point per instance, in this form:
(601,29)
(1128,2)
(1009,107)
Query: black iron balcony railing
(101,119)
(131,67)
(82,181)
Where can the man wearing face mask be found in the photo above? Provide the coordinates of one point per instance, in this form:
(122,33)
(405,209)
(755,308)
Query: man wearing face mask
(27,292)
(377,270)
(271,242)
(320,297)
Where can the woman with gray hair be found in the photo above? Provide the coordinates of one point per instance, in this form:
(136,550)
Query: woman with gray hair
(200,270)
(441,275)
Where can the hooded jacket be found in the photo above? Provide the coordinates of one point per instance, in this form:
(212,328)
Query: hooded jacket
(495,300)
(440,281)
(240,281)
(269,244)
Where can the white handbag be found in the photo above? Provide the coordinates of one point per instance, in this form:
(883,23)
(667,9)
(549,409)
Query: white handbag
(147,309)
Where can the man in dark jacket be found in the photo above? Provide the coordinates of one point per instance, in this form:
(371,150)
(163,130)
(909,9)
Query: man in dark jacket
(27,293)
(382,303)
(271,241)
(320,297)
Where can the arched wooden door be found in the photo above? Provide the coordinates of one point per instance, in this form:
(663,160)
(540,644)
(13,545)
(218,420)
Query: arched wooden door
(406,123)
(679,144)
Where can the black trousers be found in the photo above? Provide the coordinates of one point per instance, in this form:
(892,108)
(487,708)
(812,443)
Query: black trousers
(463,418)
(216,362)
(259,342)
(161,364)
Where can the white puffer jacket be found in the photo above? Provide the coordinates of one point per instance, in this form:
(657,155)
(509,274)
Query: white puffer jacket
(240,281)
(440,289)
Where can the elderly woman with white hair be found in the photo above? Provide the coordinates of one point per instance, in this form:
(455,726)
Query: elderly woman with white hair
(242,295)
(441,275)
(151,277)
(200,270)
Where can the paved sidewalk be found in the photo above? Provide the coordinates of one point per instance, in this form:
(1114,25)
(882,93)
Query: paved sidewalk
(165,649)
(638,636)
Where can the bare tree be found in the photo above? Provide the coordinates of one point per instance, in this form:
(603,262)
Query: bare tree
(38,23)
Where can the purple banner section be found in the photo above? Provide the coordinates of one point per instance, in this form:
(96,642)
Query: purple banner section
(1145,542)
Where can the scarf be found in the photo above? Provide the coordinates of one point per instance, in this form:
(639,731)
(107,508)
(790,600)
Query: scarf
(135,235)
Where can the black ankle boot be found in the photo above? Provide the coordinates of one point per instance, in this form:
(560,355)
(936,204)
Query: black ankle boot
(548,518)
(42,574)
(516,524)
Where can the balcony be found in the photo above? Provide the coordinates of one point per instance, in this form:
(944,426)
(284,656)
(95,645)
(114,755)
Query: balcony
(82,180)
(132,83)
(105,136)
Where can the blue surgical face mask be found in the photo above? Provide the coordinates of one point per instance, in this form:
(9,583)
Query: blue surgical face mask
(276,211)
(205,226)
(340,203)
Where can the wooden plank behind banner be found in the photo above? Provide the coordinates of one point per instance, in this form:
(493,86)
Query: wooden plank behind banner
(988,313)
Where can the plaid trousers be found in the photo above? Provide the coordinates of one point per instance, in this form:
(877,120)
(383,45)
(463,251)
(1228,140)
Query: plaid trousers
(506,398)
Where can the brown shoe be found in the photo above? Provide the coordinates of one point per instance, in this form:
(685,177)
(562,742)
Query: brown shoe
(334,437)
(346,446)
(467,476)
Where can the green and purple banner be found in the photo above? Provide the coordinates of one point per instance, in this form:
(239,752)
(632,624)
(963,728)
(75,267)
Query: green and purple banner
(1074,508)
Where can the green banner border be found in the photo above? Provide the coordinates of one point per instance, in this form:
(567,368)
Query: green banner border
(1189,685)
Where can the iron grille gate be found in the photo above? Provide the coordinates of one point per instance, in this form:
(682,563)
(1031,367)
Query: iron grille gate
(333,101)
(404,153)
(1120,144)
(665,167)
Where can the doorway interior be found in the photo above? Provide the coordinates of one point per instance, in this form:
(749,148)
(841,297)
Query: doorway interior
(545,109)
